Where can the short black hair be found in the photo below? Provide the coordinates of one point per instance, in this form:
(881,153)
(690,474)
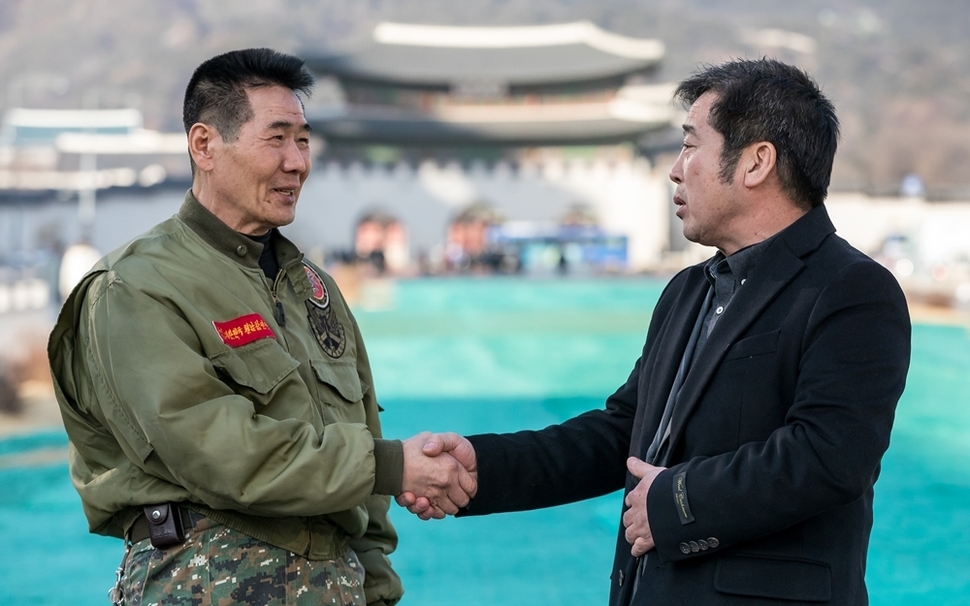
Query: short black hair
(216,93)
(767,100)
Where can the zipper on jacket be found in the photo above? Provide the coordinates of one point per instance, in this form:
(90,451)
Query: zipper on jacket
(280,316)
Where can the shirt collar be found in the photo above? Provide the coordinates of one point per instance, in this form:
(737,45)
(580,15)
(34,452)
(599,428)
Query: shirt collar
(739,263)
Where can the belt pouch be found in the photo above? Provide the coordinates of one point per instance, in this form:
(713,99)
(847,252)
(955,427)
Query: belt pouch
(165,525)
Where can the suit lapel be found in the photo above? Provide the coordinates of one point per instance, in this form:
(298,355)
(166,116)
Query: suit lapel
(781,263)
(657,374)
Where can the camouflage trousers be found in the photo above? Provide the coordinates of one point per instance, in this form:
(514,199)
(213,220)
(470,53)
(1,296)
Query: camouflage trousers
(218,566)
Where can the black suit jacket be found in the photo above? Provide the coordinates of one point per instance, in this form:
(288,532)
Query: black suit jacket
(775,441)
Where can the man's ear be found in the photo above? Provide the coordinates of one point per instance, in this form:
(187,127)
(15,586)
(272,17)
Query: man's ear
(202,142)
(758,160)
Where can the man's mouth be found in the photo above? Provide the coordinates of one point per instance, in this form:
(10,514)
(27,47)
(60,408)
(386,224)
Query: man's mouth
(680,205)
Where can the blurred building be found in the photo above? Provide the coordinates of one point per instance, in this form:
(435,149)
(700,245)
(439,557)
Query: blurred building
(43,150)
(527,120)
(424,85)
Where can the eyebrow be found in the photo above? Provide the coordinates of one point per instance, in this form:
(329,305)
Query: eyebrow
(285,124)
(688,128)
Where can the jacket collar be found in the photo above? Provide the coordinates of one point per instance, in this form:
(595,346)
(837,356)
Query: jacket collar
(781,262)
(233,244)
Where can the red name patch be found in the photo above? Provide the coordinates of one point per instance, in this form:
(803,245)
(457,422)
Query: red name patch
(243,330)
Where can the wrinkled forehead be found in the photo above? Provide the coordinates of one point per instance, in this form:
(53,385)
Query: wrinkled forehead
(276,107)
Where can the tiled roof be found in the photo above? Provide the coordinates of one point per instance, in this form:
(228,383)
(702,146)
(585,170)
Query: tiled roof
(444,56)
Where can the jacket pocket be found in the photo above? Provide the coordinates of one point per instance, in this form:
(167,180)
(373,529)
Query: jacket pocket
(342,378)
(756,345)
(259,366)
(777,578)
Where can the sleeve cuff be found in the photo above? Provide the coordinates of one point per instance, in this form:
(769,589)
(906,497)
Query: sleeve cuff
(388,466)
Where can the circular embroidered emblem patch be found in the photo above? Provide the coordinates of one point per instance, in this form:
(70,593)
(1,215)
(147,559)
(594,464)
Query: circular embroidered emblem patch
(319,297)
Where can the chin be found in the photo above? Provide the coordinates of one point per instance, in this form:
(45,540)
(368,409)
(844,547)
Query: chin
(286,214)
(689,233)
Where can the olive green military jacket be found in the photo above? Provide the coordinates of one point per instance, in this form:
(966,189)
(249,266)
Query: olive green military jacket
(184,375)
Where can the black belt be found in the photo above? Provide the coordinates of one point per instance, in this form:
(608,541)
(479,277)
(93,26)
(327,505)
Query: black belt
(139,530)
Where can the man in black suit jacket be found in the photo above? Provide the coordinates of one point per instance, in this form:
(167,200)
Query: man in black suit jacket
(749,434)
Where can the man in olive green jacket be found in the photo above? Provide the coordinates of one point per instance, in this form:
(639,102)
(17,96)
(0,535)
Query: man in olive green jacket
(215,386)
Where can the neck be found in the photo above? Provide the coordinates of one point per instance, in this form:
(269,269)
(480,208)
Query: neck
(766,220)
(225,212)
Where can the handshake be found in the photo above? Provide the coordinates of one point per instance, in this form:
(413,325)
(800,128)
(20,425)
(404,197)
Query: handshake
(440,475)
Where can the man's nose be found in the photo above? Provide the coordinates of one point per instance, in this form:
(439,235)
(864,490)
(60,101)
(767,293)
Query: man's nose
(296,159)
(676,174)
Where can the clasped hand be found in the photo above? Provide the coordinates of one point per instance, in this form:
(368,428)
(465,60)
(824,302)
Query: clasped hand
(636,524)
(440,475)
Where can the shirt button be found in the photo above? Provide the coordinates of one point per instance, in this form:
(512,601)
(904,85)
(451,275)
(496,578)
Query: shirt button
(684,548)
(743,280)
(241,250)
(704,545)
(713,542)
(694,546)
(719,310)
(620,578)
